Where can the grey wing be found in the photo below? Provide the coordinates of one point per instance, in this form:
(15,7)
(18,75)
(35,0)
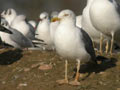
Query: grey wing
(88,45)
(117,7)
(31,34)
(20,39)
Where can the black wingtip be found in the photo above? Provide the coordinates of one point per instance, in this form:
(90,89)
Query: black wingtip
(3,29)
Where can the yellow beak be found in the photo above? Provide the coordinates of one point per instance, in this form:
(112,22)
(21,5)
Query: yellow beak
(55,19)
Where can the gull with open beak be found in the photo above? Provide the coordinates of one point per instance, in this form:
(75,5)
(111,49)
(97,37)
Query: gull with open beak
(72,42)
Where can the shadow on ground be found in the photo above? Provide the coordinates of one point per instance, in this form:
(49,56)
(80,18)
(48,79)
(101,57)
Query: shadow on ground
(10,56)
(103,64)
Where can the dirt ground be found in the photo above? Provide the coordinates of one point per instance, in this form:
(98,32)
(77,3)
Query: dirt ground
(22,70)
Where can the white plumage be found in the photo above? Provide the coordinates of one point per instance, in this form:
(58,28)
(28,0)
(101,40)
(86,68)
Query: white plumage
(105,17)
(72,42)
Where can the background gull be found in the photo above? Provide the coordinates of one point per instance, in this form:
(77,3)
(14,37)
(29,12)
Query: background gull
(105,17)
(95,35)
(16,39)
(43,30)
(53,26)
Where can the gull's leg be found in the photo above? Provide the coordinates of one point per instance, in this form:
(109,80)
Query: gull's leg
(64,81)
(75,82)
(112,41)
(107,47)
(101,44)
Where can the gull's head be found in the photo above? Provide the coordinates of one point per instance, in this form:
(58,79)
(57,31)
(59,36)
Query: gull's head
(43,16)
(66,14)
(4,23)
(9,14)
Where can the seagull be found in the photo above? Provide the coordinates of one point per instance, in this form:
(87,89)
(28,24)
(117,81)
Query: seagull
(53,26)
(72,42)
(2,29)
(95,35)
(105,17)
(43,30)
(16,39)
(9,15)
(21,24)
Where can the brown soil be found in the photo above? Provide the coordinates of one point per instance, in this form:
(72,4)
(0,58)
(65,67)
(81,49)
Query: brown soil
(20,70)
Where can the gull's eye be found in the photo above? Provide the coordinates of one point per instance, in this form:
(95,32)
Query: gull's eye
(66,14)
(5,12)
(45,17)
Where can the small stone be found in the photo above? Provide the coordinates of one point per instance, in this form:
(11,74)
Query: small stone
(22,84)
(102,73)
(3,82)
(36,65)
(26,69)
(45,67)
(118,88)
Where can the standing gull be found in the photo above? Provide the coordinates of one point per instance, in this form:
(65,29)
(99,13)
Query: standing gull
(105,17)
(72,42)
(90,29)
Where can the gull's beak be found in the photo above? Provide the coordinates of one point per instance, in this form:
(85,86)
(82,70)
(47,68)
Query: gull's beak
(55,19)
(40,19)
(3,29)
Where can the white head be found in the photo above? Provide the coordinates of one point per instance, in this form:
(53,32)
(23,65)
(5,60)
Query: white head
(67,15)
(43,16)
(9,15)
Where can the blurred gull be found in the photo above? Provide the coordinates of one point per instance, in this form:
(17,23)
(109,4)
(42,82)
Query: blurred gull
(72,42)
(91,30)
(16,39)
(21,24)
(9,15)
(105,17)
(53,26)
(43,30)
